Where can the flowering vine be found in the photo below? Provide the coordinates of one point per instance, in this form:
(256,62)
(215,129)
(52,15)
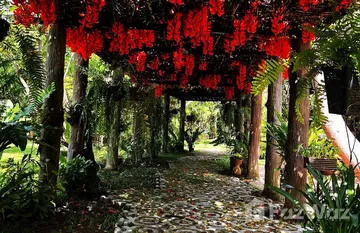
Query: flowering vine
(177,2)
(210,81)
(307,36)
(203,64)
(343,4)
(92,12)
(173,28)
(217,7)
(229,92)
(83,42)
(278,25)
(306,4)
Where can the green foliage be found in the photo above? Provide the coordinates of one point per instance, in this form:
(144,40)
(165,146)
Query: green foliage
(268,73)
(279,133)
(335,197)
(22,196)
(79,176)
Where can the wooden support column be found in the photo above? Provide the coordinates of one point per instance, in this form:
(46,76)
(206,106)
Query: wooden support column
(273,160)
(295,172)
(182,123)
(255,129)
(166,122)
(76,144)
(53,117)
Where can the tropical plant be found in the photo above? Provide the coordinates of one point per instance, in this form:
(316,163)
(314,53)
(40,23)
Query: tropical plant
(335,205)
(22,195)
(191,137)
(79,176)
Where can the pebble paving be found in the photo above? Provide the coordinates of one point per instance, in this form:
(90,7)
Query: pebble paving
(189,197)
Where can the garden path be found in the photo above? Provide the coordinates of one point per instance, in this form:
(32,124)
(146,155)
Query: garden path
(194,196)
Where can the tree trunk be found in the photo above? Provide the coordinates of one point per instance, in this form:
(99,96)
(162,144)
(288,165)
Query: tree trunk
(255,129)
(295,172)
(114,118)
(239,119)
(182,123)
(166,123)
(76,144)
(247,113)
(53,109)
(273,160)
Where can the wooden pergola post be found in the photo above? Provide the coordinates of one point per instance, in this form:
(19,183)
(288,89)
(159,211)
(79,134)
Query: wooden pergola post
(77,134)
(295,172)
(166,122)
(182,122)
(255,128)
(53,117)
(272,176)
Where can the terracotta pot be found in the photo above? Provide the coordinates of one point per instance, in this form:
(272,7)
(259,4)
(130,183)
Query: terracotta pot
(327,173)
(235,166)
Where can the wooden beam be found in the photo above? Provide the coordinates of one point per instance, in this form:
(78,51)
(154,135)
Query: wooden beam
(182,122)
(255,129)
(53,116)
(295,172)
(166,122)
(273,160)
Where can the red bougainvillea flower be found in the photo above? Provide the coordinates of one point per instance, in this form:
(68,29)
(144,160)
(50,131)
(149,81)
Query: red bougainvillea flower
(173,28)
(278,26)
(217,7)
(27,10)
(83,42)
(177,2)
(306,4)
(229,92)
(124,40)
(307,36)
(343,5)
(197,27)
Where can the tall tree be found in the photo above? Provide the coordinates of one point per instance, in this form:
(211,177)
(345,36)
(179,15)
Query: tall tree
(53,117)
(295,172)
(113,113)
(182,123)
(274,104)
(76,120)
(166,122)
(255,130)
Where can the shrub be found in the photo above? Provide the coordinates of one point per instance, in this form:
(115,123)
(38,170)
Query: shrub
(79,176)
(22,196)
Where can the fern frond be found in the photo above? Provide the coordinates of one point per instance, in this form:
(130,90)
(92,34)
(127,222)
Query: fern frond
(269,72)
(33,64)
(319,118)
(302,88)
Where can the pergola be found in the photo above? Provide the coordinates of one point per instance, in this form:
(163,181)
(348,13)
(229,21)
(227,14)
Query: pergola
(192,49)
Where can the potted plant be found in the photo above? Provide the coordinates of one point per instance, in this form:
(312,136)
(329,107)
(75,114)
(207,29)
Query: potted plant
(236,161)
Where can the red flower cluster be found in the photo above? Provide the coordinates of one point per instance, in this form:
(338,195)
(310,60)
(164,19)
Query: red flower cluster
(83,42)
(124,40)
(173,77)
(278,26)
(189,64)
(229,92)
(277,47)
(26,11)
(343,5)
(91,15)
(154,65)
(306,4)
(217,7)
(244,30)
(247,88)
(141,60)
(210,81)
(173,28)
(178,59)
(198,28)
(183,81)
(203,64)
(285,74)
(177,2)
(241,78)
(307,36)
(159,90)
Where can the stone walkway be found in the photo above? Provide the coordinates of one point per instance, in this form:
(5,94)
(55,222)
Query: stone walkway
(192,196)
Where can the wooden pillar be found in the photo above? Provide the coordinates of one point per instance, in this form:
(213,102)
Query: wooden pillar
(76,144)
(166,122)
(53,117)
(273,160)
(182,123)
(255,129)
(295,172)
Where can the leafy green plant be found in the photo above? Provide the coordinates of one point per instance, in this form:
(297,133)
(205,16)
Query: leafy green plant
(335,205)
(191,137)
(79,176)
(22,196)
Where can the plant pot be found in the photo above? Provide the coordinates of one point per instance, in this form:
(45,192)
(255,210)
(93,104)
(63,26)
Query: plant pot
(327,173)
(235,166)
(342,90)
